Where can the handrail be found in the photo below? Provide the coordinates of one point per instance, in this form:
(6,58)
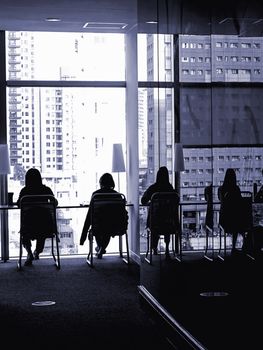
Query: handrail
(74,206)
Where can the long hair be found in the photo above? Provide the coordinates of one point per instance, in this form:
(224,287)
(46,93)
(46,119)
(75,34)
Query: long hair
(106,181)
(33,178)
(162,176)
(230,179)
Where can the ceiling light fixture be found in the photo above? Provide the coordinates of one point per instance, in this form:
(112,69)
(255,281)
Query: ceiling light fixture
(103,25)
(52,19)
(151,22)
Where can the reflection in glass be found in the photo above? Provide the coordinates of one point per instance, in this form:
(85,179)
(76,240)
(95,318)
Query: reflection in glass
(220,58)
(155,133)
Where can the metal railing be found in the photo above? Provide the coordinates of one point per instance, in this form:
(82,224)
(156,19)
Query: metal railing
(194,234)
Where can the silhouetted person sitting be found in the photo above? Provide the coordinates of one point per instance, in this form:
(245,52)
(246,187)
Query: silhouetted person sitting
(230,197)
(106,186)
(162,184)
(33,186)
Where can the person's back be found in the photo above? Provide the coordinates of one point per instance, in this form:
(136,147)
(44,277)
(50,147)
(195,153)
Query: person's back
(162,184)
(106,186)
(230,197)
(34,187)
(109,214)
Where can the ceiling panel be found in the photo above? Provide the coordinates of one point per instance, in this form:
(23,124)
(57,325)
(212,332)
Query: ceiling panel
(31,15)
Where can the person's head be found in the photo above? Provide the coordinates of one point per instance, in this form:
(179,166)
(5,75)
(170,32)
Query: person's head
(162,175)
(106,181)
(230,178)
(33,178)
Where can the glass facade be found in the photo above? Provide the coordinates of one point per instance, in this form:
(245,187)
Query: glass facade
(195,87)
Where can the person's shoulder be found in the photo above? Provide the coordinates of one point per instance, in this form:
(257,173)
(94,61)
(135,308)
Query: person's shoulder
(47,189)
(154,188)
(22,191)
(237,189)
(94,193)
(150,190)
(103,191)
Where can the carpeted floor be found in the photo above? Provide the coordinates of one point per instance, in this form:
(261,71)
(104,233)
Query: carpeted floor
(94,306)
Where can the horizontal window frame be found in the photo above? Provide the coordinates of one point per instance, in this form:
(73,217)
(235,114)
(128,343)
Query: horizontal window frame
(63,83)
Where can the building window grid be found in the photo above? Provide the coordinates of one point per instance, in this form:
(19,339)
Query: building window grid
(247,72)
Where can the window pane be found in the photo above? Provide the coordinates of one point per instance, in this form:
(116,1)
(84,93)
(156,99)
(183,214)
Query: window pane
(65,56)
(68,134)
(221,115)
(155,57)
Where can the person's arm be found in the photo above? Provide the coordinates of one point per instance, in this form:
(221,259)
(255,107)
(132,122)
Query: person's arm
(146,197)
(49,191)
(86,225)
(85,228)
(21,194)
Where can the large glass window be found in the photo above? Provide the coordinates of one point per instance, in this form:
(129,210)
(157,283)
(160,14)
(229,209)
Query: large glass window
(66,132)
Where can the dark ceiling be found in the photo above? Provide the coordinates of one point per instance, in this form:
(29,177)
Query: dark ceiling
(241,17)
(31,15)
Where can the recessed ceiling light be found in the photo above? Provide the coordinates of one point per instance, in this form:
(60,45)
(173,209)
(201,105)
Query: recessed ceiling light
(52,19)
(151,22)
